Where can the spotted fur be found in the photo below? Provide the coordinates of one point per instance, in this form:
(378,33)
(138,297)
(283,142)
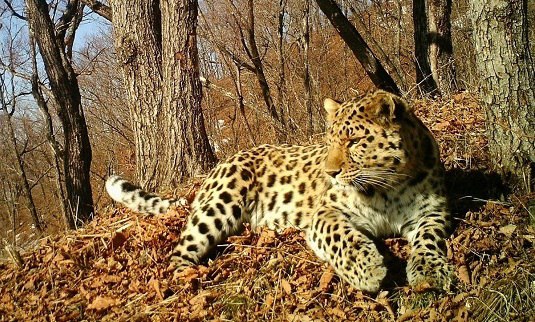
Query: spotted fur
(378,174)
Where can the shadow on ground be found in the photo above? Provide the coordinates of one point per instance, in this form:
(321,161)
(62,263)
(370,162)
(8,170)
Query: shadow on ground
(470,190)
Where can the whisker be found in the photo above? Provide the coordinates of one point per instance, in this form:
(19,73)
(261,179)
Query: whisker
(377,182)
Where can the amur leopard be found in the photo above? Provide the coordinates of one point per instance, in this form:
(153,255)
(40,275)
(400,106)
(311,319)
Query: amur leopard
(377,174)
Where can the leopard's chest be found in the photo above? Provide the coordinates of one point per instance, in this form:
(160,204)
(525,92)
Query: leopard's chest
(383,214)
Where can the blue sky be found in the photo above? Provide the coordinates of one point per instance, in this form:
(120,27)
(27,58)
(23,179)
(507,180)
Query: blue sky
(91,25)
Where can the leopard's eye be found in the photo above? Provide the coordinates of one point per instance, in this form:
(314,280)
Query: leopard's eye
(353,142)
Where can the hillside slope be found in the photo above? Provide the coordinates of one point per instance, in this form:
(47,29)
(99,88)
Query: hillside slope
(116,268)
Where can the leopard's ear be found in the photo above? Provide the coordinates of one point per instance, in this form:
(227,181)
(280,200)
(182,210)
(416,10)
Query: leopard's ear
(331,106)
(388,107)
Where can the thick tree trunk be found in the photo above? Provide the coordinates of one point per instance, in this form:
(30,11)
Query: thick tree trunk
(158,53)
(188,149)
(64,86)
(505,66)
(373,67)
(137,38)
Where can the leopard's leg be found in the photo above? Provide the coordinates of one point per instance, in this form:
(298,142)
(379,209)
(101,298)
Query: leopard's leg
(204,230)
(353,255)
(218,212)
(428,265)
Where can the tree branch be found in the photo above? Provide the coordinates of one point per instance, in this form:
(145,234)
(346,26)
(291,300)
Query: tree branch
(99,8)
(378,75)
(13,11)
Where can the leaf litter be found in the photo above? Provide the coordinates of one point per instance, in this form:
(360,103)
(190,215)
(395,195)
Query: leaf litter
(116,268)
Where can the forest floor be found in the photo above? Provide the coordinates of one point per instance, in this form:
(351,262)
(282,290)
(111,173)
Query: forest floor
(116,267)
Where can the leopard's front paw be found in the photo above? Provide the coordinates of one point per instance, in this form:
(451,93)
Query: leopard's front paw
(429,272)
(374,279)
(367,274)
(179,263)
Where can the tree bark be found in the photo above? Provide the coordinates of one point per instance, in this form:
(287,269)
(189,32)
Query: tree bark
(505,66)
(137,39)
(441,46)
(188,149)
(254,56)
(425,79)
(305,44)
(240,102)
(281,84)
(373,67)
(64,86)
(156,45)
(57,152)
(99,8)
(433,48)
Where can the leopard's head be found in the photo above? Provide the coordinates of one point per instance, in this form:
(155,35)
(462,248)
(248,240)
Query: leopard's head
(368,141)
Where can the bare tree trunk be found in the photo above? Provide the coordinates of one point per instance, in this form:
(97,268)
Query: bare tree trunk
(188,149)
(376,47)
(8,105)
(254,55)
(99,8)
(246,30)
(305,43)
(373,67)
(281,86)
(425,79)
(14,254)
(505,66)
(55,51)
(441,46)
(435,68)
(57,152)
(241,104)
(399,32)
(10,194)
(156,43)
(137,37)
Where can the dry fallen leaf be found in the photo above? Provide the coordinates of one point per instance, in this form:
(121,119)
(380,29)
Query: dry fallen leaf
(441,126)
(286,286)
(463,274)
(155,284)
(266,237)
(325,279)
(101,303)
(337,311)
(186,275)
(508,230)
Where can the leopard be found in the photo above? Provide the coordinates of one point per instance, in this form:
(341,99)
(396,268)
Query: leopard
(377,174)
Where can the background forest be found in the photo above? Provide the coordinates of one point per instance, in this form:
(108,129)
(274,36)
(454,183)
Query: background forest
(265,68)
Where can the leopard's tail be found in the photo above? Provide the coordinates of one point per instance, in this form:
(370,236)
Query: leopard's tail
(137,199)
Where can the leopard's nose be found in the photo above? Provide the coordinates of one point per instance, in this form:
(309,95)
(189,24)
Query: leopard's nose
(333,172)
